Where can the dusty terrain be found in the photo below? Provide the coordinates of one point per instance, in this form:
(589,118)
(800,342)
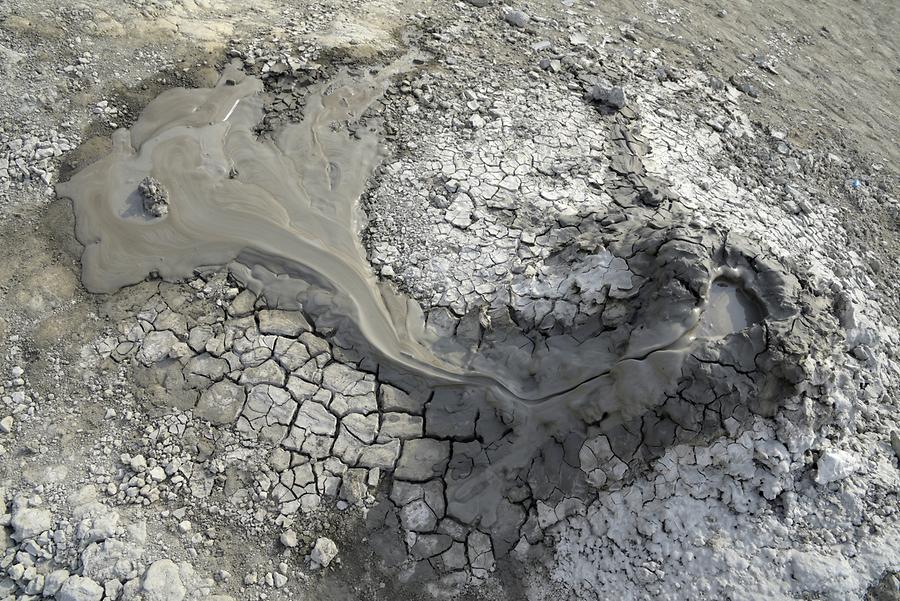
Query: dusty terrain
(476,300)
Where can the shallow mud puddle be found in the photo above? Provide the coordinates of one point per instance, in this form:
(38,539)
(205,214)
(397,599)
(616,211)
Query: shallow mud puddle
(729,309)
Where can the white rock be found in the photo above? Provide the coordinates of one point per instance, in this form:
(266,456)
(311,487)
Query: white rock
(288,538)
(323,553)
(54,582)
(29,522)
(138,463)
(16,571)
(835,465)
(162,582)
(79,588)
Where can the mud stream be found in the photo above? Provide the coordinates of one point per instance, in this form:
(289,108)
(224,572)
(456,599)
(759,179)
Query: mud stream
(283,215)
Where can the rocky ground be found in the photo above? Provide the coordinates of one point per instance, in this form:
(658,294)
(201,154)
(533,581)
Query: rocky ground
(551,172)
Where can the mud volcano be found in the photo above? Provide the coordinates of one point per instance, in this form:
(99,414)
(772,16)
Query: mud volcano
(728,309)
(644,332)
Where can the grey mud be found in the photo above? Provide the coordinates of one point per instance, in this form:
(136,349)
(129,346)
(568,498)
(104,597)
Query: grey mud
(689,327)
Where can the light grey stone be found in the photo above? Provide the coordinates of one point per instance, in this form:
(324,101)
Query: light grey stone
(383,456)
(363,427)
(323,553)
(28,522)
(80,588)
(54,582)
(162,582)
(288,538)
(418,517)
(481,554)
(517,18)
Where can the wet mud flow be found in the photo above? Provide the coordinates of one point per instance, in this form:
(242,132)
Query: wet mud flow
(283,215)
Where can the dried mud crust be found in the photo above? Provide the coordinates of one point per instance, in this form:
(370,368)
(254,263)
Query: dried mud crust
(192,422)
(337,429)
(461,493)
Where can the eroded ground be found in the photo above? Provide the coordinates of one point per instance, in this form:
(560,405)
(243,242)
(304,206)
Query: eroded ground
(550,301)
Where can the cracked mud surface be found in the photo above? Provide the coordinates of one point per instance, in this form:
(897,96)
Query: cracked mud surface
(421,302)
